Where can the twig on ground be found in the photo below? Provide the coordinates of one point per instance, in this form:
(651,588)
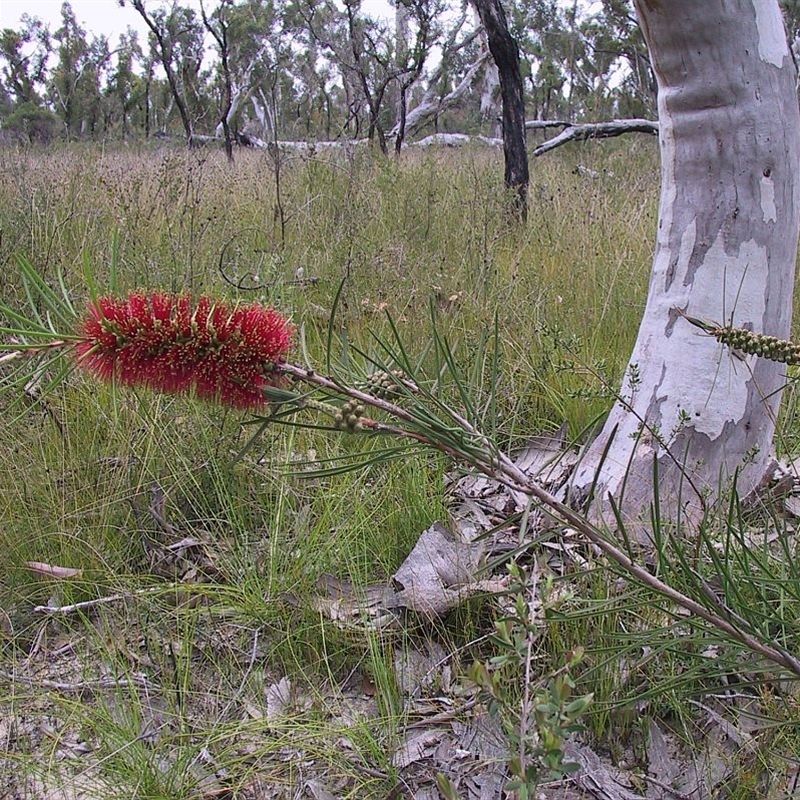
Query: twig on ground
(665,787)
(443,716)
(139,681)
(99,601)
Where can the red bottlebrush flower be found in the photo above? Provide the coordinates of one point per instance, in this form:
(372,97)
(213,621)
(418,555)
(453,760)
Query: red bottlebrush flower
(167,343)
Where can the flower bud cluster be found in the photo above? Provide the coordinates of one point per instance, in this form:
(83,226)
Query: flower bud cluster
(758,344)
(348,417)
(384,384)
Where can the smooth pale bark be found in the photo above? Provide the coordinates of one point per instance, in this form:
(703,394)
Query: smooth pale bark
(242,89)
(431,104)
(726,249)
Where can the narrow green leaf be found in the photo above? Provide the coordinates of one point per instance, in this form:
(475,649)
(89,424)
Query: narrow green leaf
(36,287)
(251,442)
(277,395)
(113,276)
(402,358)
(331,322)
(383,456)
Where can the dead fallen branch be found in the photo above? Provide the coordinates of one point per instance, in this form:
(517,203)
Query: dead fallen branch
(596,130)
(138,681)
(543,124)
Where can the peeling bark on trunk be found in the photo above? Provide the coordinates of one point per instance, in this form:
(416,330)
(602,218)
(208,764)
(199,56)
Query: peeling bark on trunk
(726,249)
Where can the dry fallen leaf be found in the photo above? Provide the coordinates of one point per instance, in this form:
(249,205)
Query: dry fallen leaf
(53,571)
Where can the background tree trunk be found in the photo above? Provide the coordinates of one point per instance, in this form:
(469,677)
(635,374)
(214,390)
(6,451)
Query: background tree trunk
(505,53)
(726,250)
(220,34)
(165,51)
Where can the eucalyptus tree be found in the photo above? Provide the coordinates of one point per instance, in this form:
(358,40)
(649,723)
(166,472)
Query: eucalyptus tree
(24,55)
(505,53)
(176,39)
(252,39)
(126,89)
(378,64)
(617,34)
(582,63)
(538,28)
(76,82)
(370,63)
(219,31)
(291,72)
(361,48)
(693,418)
(412,52)
(451,81)
(317,96)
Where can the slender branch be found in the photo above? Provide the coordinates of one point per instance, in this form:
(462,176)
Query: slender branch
(98,601)
(500,467)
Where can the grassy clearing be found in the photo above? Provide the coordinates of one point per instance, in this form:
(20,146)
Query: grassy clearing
(109,484)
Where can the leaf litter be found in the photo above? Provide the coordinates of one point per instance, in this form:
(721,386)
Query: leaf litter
(288,740)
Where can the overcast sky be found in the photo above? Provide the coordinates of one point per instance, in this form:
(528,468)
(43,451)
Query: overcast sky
(106,17)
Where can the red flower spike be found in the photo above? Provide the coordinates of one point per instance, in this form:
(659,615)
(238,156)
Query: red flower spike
(164,342)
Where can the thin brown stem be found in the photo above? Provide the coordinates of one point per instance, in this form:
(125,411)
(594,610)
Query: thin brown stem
(501,468)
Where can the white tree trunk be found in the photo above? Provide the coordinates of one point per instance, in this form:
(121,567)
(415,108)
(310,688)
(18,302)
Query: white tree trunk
(726,249)
(491,107)
(243,89)
(430,105)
